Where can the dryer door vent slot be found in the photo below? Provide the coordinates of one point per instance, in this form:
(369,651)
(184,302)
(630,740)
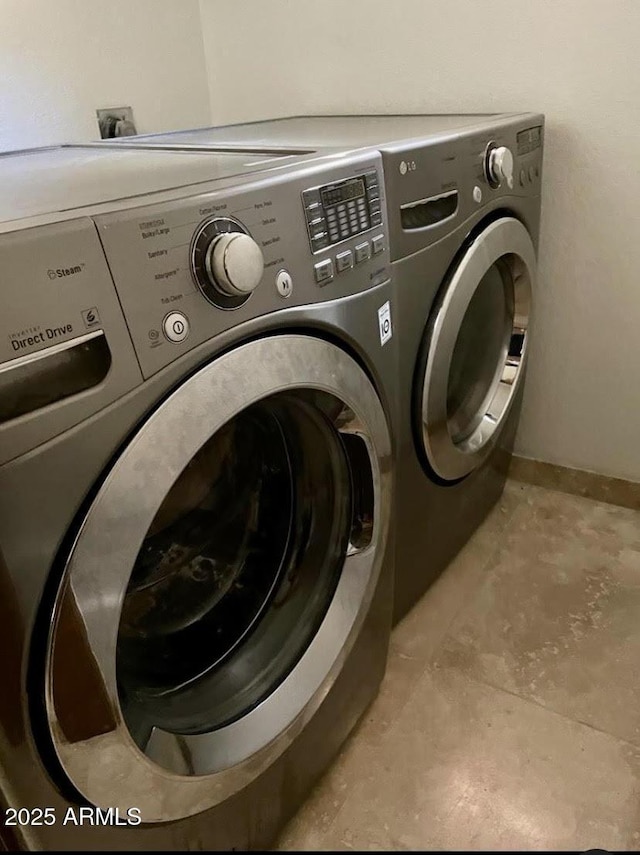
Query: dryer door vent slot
(429,212)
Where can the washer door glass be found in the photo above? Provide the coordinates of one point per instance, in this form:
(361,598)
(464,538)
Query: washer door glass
(219,578)
(237,570)
(474,354)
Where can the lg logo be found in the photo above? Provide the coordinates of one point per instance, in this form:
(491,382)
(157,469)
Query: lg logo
(407,166)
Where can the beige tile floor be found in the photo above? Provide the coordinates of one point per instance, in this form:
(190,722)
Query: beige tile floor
(509,717)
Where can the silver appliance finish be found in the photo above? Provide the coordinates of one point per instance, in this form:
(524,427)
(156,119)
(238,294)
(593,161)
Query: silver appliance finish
(331,131)
(44,181)
(451,459)
(463,202)
(91,294)
(208,767)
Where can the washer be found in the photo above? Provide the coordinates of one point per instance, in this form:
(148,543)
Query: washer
(195,493)
(463,198)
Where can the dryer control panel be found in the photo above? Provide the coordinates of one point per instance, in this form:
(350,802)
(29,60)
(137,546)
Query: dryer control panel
(434,185)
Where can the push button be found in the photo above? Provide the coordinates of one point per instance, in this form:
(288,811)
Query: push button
(363,252)
(311,199)
(344,260)
(376,212)
(284,283)
(176,327)
(377,244)
(319,241)
(324,271)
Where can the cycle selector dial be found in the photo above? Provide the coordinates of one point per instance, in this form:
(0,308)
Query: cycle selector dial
(227,263)
(499,166)
(234,263)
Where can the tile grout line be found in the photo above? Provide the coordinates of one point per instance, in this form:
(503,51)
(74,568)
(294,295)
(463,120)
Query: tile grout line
(482,576)
(428,663)
(462,605)
(440,641)
(535,703)
(522,502)
(557,491)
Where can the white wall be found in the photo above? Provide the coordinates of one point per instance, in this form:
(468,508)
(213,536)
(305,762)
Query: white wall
(576,60)
(60,60)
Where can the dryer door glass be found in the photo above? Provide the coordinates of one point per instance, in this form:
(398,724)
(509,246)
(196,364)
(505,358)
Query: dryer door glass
(474,353)
(480,349)
(219,578)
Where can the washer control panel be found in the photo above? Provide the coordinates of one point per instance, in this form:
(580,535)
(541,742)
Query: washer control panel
(341,210)
(347,259)
(188,269)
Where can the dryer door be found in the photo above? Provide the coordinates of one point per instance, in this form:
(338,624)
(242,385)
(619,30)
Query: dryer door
(219,578)
(475,350)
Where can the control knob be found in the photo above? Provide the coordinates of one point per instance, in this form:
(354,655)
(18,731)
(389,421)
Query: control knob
(500,166)
(227,263)
(234,263)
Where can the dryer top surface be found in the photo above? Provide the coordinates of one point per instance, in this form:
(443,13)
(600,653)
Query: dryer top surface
(329,131)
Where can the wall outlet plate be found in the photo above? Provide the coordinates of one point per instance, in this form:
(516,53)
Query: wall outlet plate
(116,122)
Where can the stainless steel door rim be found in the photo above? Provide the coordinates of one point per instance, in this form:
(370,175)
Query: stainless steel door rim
(505,241)
(201,770)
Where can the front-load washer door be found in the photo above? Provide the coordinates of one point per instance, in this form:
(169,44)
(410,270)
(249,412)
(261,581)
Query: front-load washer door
(475,348)
(219,578)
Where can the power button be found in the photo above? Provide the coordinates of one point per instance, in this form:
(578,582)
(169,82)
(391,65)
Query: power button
(176,327)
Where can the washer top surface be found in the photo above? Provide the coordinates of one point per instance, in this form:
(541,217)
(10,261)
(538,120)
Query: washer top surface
(50,180)
(330,131)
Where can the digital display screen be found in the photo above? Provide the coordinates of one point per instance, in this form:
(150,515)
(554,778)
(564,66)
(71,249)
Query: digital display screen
(352,189)
(529,140)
